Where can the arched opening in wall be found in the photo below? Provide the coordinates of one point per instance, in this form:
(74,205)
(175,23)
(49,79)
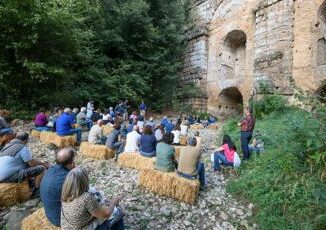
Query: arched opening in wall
(322,13)
(234,55)
(321,93)
(230,102)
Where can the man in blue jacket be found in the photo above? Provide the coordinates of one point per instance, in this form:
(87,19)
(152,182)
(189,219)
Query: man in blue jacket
(51,185)
(64,125)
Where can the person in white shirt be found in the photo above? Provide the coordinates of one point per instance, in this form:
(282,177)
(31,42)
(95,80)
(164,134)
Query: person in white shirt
(184,129)
(95,135)
(176,132)
(159,131)
(133,140)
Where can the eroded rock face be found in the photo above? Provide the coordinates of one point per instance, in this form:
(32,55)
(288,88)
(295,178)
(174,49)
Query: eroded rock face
(242,43)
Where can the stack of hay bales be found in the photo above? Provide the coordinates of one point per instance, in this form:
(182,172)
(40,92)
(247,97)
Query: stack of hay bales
(37,221)
(35,133)
(47,137)
(170,185)
(213,126)
(107,129)
(99,152)
(12,193)
(196,126)
(183,140)
(64,141)
(136,161)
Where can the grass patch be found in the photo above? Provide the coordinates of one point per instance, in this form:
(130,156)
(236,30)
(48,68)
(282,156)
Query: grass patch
(283,182)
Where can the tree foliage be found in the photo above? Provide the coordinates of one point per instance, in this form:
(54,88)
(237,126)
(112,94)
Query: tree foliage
(55,52)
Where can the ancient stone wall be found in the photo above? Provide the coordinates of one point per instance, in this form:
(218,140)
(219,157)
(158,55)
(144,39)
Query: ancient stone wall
(238,44)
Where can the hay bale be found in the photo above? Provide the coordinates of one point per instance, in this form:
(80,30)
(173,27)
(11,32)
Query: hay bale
(107,129)
(12,193)
(170,185)
(5,139)
(136,161)
(213,126)
(47,137)
(64,141)
(99,152)
(183,140)
(37,221)
(35,133)
(196,126)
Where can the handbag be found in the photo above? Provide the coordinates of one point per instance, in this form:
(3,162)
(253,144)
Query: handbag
(236,161)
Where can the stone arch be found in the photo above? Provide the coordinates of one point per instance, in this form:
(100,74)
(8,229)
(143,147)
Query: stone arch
(322,12)
(321,93)
(230,101)
(233,61)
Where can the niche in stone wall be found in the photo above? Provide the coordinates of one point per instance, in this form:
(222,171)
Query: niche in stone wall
(321,93)
(233,58)
(230,101)
(321,55)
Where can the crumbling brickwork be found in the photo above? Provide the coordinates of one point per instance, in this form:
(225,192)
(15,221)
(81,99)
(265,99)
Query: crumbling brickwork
(237,44)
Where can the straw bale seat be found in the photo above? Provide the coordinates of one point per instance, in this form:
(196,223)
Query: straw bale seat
(170,185)
(35,133)
(107,129)
(136,161)
(6,138)
(60,141)
(196,126)
(99,152)
(76,126)
(12,193)
(64,141)
(183,140)
(47,137)
(213,126)
(37,221)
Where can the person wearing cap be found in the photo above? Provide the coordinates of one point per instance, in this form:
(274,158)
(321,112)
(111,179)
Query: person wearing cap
(4,127)
(189,165)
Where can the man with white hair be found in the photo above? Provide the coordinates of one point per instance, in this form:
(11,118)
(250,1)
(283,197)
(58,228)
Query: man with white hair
(82,120)
(151,123)
(133,140)
(64,125)
(95,135)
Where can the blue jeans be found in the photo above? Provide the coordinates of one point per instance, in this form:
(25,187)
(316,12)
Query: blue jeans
(219,156)
(78,132)
(201,174)
(245,139)
(89,123)
(5,131)
(117,226)
(42,128)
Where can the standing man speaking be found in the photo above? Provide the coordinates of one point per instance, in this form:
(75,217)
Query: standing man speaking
(247,127)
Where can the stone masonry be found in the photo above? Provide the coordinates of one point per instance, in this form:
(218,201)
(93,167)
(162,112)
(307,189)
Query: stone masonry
(236,45)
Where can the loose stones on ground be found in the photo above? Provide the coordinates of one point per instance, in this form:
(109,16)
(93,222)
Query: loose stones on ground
(215,208)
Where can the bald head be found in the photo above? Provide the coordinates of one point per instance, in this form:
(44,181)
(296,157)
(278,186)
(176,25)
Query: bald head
(135,128)
(65,157)
(99,122)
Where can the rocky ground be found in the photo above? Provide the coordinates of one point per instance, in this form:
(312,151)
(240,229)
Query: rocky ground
(215,208)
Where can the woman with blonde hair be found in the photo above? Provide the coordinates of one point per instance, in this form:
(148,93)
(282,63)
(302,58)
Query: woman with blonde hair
(82,208)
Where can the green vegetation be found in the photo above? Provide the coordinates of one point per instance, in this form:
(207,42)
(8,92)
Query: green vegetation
(60,52)
(286,181)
